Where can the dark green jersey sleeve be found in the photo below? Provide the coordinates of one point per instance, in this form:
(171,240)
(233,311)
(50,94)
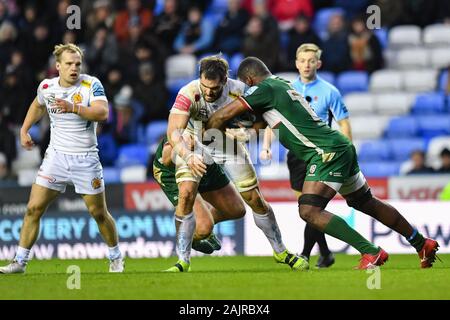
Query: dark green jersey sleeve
(258,98)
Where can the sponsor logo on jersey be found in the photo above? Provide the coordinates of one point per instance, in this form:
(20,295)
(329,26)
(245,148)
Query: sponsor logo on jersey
(77,98)
(182,103)
(97,89)
(234,95)
(86,83)
(96,183)
(312,169)
(250,91)
(49,179)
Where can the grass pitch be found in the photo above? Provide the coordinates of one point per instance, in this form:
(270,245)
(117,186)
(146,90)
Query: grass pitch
(230,278)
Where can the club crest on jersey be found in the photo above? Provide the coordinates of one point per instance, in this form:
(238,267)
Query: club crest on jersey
(77,98)
(96,183)
(203,114)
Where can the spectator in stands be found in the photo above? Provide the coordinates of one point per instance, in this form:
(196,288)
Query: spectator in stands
(4,172)
(445,161)
(8,42)
(7,142)
(102,52)
(114,81)
(230,32)
(168,24)
(100,16)
(285,11)
(260,44)
(261,10)
(134,15)
(365,49)
(300,34)
(14,100)
(128,113)
(39,48)
(336,52)
(418,161)
(151,93)
(59,22)
(196,36)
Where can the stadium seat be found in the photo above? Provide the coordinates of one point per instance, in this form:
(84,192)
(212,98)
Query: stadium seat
(154,131)
(380,169)
(401,149)
(132,154)
(180,66)
(436,35)
(429,103)
(327,76)
(364,127)
(320,24)
(382,35)
(390,58)
(350,81)
(412,58)
(111,175)
(289,76)
(386,81)
(374,150)
(135,173)
(443,80)
(402,127)
(419,80)
(432,126)
(360,103)
(404,36)
(218,6)
(440,57)
(234,62)
(393,104)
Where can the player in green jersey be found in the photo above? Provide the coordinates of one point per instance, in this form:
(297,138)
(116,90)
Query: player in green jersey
(332,163)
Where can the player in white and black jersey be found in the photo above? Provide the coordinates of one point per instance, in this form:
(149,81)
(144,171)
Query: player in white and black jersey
(75,103)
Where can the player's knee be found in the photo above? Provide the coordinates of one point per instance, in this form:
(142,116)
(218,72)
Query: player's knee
(306,212)
(99,213)
(359,201)
(34,211)
(254,199)
(186,197)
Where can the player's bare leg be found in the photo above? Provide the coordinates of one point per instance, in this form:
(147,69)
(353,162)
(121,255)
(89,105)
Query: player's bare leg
(96,205)
(390,217)
(40,198)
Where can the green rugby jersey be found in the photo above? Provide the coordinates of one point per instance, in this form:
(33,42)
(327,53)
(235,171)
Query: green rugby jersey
(300,129)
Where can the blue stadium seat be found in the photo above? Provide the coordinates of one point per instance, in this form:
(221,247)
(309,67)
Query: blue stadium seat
(132,154)
(218,6)
(327,76)
(174,86)
(107,149)
(431,126)
(111,175)
(429,103)
(350,81)
(443,80)
(154,131)
(374,150)
(380,169)
(234,62)
(401,149)
(382,35)
(320,24)
(402,127)
(159,7)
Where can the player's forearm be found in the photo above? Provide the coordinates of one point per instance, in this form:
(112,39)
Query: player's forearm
(268,137)
(34,114)
(346,129)
(216,121)
(92,113)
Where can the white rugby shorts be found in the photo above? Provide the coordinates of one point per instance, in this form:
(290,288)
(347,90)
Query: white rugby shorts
(84,172)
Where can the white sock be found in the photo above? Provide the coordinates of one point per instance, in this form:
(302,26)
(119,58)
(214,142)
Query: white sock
(185,235)
(22,256)
(114,253)
(268,224)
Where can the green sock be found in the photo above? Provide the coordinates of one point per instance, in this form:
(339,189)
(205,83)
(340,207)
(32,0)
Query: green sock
(416,240)
(338,228)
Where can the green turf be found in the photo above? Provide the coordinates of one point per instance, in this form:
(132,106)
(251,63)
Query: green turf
(229,278)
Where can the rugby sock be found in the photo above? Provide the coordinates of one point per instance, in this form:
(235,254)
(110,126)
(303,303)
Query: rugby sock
(185,234)
(268,224)
(416,240)
(22,255)
(310,240)
(114,253)
(322,242)
(338,228)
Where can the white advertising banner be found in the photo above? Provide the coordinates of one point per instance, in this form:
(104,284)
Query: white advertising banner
(432,218)
(417,187)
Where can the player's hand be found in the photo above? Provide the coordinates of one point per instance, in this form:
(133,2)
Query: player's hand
(26,141)
(64,106)
(196,164)
(238,134)
(265,155)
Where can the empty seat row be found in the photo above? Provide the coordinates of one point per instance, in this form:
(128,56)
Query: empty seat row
(412,35)
(389,80)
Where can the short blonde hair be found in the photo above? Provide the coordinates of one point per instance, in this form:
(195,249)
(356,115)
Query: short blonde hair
(306,47)
(60,48)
